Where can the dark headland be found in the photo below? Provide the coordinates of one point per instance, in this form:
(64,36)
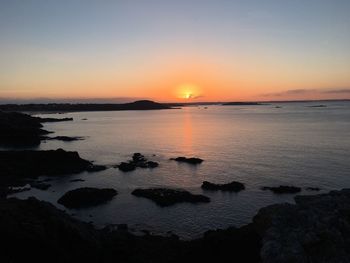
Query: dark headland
(67,107)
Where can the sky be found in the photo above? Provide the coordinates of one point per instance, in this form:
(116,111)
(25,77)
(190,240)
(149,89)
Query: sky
(184,50)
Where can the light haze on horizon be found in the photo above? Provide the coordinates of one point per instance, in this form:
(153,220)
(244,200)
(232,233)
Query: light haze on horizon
(202,50)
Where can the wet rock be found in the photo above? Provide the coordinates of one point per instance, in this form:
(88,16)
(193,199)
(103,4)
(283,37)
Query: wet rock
(65,138)
(232,187)
(192,160)
(167,197)
(96,168)
(312,188)
(86,197)
(41,186)
(138,161)
(283,189)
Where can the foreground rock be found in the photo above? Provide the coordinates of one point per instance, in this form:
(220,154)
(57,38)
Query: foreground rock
(316,229)
(18,166)
(192,160)
(17,129)
(167,197)
(40,186)
(231,187)
(283,189)
(86,197)
(138,161)
(36,231)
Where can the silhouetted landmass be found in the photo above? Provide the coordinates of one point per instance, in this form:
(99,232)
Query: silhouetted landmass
(312,188)
(191,160)
(239,103)
(283,189)
(231,187)
(16,167)
(314,229)
(54,107)
(167,197)
(86,197)
(18,129)
(138,160)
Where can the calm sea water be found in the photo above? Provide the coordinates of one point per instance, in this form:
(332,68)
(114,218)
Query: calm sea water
(256,145)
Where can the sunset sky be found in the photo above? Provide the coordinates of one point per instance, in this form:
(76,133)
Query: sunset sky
(184,50)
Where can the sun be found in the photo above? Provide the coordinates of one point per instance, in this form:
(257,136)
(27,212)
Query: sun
(187,91)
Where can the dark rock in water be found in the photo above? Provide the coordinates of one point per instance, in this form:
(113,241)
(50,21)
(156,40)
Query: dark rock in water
(138,161)
(17,166)
(126,167)
(84,119)
(65,138)
(42,120)
(192,160)
(283,189)
(167,197)
(77,180)
(312,189)
(41,186)
(86,197)
(232,187)
(317,106)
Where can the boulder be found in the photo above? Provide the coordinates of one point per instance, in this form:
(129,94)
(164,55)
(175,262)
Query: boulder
(231,187)
(191,160)
(283,189)
(167,197)
(86,197)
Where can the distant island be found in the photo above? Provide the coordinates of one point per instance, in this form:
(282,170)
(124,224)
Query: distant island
(239,103)
(67,107)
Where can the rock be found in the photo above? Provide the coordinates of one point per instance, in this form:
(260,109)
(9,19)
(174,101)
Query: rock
(65,138)
(233,186)
(138,161)
(86,197)
(126,167)
(41,186)
(77,180)
(18,129)
(18,166)
(192,160)
(315,229)
(283,189)
(167,197)
(312,189)
(42,120)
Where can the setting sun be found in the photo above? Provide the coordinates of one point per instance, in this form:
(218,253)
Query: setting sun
(188,91)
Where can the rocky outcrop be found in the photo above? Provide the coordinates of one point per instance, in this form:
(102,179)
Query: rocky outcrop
(315,229)
(17,129)
(231,187)
(191,160)
(65,138)
(18,166)
(42,120)
(167,197)
(86,197)
(41,186)
(138,161)
(283,189)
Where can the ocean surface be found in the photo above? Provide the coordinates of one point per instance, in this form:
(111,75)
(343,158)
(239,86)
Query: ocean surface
(257,145)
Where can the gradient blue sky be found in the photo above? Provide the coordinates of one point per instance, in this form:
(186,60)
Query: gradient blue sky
(166,50)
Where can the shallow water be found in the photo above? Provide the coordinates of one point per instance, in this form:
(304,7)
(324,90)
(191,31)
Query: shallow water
(256,145)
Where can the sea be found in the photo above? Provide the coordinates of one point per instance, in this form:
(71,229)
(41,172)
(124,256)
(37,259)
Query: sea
(304,144)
